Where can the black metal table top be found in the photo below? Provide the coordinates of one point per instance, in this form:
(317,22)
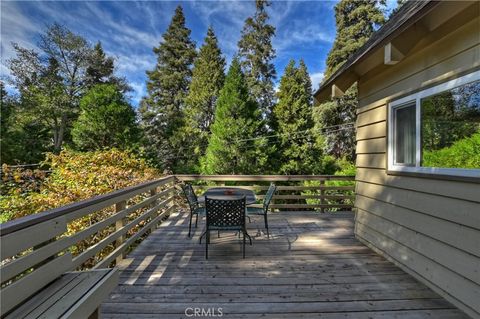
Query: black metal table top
(228,193)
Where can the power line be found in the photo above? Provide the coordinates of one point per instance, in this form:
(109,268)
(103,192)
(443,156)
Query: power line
(346,126)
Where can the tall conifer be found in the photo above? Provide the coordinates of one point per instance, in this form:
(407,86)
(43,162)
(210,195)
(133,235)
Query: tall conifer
(234,145)
(207,80)
(167,86)
(356,21)
(297,153)
(256,54)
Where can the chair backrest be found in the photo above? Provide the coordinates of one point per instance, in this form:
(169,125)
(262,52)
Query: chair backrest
(268,197)
(225,213)
(190,195)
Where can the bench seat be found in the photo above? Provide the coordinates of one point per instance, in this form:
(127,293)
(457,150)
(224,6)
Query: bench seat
(73,295)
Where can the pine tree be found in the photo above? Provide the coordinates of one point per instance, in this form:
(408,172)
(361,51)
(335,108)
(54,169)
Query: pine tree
(106,120)
(297,153)
(208,76)
(167,86)
(100,69)
(256,54)
(356,21)
(234,146)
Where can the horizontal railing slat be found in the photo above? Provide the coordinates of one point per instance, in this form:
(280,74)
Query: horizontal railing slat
(263,178)
(93,250)
(77,209)
(308,206)
(21,264)
(120,249)
(21,240)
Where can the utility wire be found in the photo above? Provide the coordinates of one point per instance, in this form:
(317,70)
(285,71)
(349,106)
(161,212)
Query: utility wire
(347,126)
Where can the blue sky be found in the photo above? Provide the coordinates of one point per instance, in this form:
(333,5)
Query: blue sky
(129,30)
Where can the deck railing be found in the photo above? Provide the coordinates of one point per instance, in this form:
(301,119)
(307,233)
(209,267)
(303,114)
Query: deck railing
(116,221)
(294,192)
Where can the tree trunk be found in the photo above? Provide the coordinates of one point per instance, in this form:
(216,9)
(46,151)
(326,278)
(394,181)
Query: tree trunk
(59,135)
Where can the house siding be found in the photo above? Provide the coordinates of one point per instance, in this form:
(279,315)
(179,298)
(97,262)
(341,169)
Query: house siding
(428,227)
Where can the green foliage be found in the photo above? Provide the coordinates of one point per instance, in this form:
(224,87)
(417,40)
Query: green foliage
(23,137)
(51,83)
(100,69)
(331,118)
(106,120)
(167,86)
(256,54)
(298,152)
(450,116)
(355,22)
(208,76)
(338,167)
(464,153)
(231,149)
(75,176)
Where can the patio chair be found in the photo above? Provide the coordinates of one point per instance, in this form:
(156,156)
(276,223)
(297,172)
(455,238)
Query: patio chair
(195,208)
(225,215)
(264,209)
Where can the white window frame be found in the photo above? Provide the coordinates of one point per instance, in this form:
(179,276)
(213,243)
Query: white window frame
(416,97)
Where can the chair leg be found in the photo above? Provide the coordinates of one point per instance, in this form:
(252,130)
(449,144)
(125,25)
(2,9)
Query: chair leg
(196,221)
(244,245)
(266,226)
(207,241)
(249,219)
(190,225)
(249,237)
(204,233)
(218,234)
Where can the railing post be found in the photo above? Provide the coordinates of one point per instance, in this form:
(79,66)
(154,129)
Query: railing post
(119,225)
(153,192)
(322,194)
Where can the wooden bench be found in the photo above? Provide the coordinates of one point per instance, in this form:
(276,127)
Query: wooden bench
(36,277)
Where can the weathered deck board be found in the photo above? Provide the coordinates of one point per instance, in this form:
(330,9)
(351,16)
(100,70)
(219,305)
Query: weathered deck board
(311,264)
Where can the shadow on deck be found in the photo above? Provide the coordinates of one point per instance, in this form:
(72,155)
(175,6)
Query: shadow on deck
(311,264)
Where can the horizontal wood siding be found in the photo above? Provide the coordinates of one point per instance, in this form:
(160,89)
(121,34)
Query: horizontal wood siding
(429,227)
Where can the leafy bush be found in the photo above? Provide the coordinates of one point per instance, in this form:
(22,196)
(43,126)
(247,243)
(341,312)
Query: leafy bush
(76,176)
(342,167)
(464,153)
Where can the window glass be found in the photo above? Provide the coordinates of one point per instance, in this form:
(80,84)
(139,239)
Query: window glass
(404,135)
(450,128)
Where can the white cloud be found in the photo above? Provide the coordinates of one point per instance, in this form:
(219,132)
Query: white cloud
(300,33)
(15,27)
(134,63)
(316,79)
(139,91)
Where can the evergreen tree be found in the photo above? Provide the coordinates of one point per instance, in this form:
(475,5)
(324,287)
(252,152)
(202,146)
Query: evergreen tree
(167,87)
(297,153)
(208,76)
(101,69)
(256,54)
(106,120)
(234,146)
(23,137)
(355,21)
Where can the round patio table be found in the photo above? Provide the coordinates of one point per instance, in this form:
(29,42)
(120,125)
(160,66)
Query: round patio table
(229,193)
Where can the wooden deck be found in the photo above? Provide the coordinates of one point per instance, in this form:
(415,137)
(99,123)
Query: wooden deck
(311,266)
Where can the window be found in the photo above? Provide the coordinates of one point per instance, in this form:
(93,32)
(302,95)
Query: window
(437,131)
